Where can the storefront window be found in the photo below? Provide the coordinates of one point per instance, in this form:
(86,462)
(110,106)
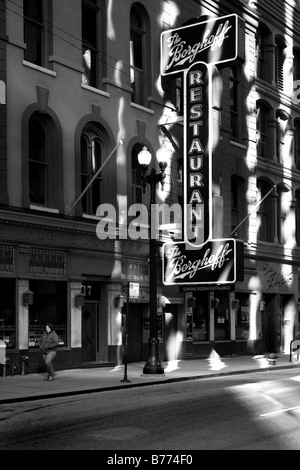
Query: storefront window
(200,327)
(222,323)
(49,305)
(8,313)
(242,317)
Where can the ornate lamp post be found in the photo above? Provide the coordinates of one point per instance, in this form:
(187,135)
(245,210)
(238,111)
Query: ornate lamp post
(153,365)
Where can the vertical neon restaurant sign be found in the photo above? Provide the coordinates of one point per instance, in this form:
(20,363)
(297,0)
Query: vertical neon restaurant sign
(192,50)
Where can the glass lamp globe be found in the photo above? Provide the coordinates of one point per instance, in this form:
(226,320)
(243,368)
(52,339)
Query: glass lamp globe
(163,155)
(144,156)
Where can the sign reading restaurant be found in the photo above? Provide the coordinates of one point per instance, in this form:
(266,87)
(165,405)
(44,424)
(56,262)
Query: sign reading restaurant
(192,49)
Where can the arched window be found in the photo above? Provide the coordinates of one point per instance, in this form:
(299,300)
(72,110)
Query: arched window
(237,189)
(297,210)
(265,212)
(91,161)
(263,58)
(283,208)
(93,24)
(279,62)
(282,118)
(297,143)
(296,63)
(139,56)
(137,189)
(45,166)
(38,163)
(264,140)
(37,31)
(234,103)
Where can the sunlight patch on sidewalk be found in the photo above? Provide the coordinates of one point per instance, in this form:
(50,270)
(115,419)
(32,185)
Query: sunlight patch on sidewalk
(215,362)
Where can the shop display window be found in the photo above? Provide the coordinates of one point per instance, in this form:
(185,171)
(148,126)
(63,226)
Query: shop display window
(8,313)
(242,317)
(49,305)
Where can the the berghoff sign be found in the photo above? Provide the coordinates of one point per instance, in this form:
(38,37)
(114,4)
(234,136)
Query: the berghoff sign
(211,42)
(214,262)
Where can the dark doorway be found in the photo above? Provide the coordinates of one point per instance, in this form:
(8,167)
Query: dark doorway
(89,332)
(272,324)
(134,331)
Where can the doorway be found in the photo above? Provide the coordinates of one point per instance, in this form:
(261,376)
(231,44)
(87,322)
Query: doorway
(90,332)
(134,331)
(272,324)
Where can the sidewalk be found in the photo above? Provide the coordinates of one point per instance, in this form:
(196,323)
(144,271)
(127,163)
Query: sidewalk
(30,387)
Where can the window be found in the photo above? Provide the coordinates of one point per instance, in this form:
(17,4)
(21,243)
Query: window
(296,64)
(37,31)
(49,305)
(297,143)
(139,54)
(265,215)
(264,141)
(234,103)
(91,160)
(137,189)
(283,208)
(297,196)
(279,62)
(236,193)
(282,118)
(38,165)
(45,164)
(8,313)
(262,56)
(92,42)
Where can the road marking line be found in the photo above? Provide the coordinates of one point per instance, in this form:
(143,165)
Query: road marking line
(280,411)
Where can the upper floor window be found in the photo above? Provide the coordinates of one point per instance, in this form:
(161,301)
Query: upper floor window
(37,31)
(296,63)
(91,160)
(234,103)
(139,56)
(44,162)
(264,143)
(265,215)
(137,189)
(92,42)
(38,162)
(283,208)
(236,201)
(297,143)
(262,56)
(297,196)
(279,62)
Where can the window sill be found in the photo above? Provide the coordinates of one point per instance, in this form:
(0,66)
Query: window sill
(39,68)
(142,108)
(43,209)
(95,90)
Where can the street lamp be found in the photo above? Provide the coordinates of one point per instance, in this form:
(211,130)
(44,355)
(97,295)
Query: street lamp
(153,365)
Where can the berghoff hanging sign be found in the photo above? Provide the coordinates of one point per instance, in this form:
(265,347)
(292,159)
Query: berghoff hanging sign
(193,49)
(211,42)
(214,262)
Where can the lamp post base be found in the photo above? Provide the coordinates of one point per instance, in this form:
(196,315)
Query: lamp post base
(153,365)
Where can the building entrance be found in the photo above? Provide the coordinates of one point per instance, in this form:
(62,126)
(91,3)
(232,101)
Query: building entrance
(90,332)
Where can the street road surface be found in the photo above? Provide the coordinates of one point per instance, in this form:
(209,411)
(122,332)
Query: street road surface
(257,411)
